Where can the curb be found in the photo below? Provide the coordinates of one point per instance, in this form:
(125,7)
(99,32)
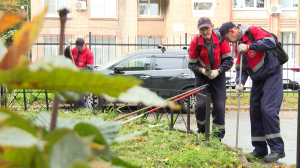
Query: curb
(247,108)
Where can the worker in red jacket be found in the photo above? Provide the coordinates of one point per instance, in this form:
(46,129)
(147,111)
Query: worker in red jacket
(83,59)
(82,56)
(209,60)
(264,69)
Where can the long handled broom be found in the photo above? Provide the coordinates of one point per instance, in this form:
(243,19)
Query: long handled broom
(179,97)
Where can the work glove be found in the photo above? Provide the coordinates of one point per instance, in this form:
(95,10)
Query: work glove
(205,72)
(239,88)
(243,48)
(214,73)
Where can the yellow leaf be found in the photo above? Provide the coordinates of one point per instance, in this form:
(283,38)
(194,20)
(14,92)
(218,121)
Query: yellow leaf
(97,146)
(23,40)
(187,144)
(8,20)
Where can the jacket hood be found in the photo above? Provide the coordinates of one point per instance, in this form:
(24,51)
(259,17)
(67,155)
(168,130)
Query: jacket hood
(243,29)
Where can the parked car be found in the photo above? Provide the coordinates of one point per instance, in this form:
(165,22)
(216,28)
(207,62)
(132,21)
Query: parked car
(230,78)
(158,68)
(290,76)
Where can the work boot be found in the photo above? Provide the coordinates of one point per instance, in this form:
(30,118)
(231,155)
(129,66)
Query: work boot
(273,157)
(256,155)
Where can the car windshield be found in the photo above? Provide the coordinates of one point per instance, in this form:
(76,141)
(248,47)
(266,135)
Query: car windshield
(113,61)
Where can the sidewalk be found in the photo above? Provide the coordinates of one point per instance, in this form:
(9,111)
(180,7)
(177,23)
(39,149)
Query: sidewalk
(288,121)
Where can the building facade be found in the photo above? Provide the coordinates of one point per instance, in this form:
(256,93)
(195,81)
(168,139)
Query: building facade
(157,22)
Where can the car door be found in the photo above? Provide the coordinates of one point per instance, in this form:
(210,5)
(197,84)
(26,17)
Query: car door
(137,66)
(171,72)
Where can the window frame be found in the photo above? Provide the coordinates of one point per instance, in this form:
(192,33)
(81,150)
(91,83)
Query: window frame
(149,16)
(170,56)
(204,12)
(56,15)
(103,6)
(251,8)
(156,42)
(54,46)
(111,40)
(289,8)
(137,57)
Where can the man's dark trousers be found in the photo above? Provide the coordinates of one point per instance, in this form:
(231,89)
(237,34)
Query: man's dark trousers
(217,87)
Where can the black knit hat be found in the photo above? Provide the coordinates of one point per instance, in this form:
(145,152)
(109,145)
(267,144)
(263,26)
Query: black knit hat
(224,29)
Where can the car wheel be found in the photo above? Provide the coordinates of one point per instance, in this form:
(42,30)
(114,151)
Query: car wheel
(192,102)
(98,101)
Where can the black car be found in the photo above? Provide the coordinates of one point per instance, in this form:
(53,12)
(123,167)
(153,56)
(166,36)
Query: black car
(158,68)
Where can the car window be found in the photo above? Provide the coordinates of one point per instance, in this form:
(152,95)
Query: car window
(168,63)
(137,64)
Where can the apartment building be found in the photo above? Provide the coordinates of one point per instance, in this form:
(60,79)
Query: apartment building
(157,22)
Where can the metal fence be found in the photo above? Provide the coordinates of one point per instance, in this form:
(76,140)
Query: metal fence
(107,48)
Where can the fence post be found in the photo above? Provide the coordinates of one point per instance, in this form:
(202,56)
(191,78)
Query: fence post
(298,133)
(157,111)
(207,116)
(90,40)
(25,103)
(2,103)
(188,114)
(47,101)
(172,118)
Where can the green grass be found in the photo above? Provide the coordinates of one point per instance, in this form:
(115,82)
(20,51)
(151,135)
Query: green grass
(162,147)
(290,100)
(167,148)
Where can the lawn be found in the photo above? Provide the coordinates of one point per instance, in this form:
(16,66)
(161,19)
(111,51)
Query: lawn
(162,147)
(290,100)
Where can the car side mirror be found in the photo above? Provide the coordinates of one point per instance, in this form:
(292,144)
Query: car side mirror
(119,69)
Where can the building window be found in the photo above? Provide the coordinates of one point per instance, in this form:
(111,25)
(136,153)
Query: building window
(249,4)
(52,47)
(203,7)
(55,5)
(103,8)
(289,3)
(103,53)
(149,8)
(150,43)
(289,38)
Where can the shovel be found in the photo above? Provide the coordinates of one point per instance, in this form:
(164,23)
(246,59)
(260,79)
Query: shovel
(239,99)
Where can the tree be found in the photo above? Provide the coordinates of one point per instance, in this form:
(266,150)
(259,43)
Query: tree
(13,6)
